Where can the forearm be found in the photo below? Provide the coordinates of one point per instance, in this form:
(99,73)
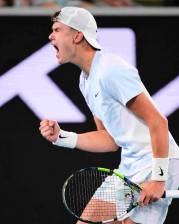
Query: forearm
(160,146)
(96,141)
(159,137)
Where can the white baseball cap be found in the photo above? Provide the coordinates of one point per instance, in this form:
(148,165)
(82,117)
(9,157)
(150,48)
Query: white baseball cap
(81,20)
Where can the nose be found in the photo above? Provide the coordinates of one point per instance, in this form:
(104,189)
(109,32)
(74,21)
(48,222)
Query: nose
(50,36)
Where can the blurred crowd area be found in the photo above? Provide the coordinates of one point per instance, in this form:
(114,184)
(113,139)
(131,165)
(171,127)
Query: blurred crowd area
(87,3)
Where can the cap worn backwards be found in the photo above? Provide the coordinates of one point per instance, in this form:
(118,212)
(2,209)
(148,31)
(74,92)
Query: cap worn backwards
(81,20)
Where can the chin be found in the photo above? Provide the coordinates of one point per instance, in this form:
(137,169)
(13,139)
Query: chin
(60,61)
(63,61)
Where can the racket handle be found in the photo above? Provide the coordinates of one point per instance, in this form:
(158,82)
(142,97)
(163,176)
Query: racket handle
(171,194)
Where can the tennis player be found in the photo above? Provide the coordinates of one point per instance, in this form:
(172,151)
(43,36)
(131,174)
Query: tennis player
(124,113)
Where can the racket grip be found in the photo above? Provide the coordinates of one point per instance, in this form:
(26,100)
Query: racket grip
(171,194)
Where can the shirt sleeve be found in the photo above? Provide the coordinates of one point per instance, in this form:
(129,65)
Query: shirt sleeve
(121,84)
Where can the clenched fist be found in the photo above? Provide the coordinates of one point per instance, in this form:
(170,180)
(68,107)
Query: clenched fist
(49,129)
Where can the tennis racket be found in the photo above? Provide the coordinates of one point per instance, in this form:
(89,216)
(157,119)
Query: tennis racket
(100,195)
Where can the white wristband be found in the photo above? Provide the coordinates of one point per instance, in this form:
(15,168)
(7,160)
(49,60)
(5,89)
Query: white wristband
(160,169)
(66,139)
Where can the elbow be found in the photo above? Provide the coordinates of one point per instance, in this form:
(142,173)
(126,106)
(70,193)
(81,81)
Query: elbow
(159,122)
(115,148)
(110,147)
(164,122)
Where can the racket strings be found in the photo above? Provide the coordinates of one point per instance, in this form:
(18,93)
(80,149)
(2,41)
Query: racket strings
(81,188)
(124,200)
(96,196)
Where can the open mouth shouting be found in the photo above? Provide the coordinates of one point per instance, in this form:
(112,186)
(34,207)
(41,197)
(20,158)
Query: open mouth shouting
(57,49)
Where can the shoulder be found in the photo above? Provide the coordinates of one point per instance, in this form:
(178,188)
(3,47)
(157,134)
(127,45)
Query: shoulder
(115,67)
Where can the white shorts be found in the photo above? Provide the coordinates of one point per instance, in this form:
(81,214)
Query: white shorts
(156,212)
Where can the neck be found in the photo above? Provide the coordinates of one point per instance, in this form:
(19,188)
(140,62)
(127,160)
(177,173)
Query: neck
(84,60)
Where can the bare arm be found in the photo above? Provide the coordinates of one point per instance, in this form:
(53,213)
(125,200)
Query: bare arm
(142,107)
(96,141)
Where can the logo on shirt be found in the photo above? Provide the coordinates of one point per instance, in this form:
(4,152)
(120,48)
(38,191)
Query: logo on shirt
(62,136)
(161,172)
(96,94)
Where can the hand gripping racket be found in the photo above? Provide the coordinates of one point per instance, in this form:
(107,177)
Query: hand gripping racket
(100,195)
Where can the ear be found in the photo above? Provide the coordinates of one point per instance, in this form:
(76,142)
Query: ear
(78,37)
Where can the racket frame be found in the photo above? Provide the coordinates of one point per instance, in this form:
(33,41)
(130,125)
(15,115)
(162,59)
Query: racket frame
(132,185)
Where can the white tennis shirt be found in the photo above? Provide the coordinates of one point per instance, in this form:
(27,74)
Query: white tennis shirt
(110,85)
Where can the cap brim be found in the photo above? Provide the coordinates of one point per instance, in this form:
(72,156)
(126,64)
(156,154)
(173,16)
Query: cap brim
(93,42)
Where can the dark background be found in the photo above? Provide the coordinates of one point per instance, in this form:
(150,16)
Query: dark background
(32,171)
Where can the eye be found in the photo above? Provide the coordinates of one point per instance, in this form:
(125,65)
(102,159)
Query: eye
(56,30)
